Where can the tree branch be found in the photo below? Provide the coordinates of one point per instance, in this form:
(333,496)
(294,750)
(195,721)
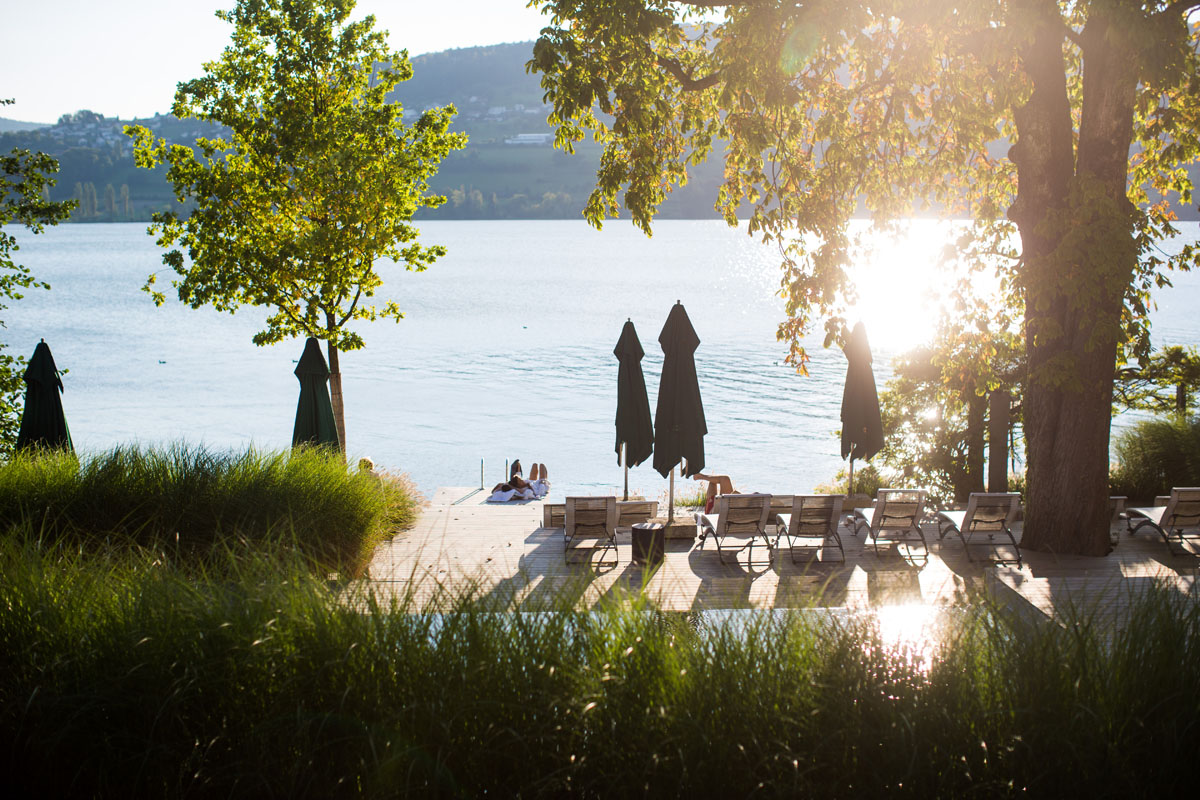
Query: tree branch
(1180,7)
(687,82)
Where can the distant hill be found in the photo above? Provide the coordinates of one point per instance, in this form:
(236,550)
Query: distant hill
(509,170)
(473,78)
(7,125)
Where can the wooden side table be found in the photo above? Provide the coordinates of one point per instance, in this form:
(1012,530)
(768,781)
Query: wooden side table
(649,543)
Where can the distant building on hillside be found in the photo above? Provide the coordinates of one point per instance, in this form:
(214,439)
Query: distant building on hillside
(531,139)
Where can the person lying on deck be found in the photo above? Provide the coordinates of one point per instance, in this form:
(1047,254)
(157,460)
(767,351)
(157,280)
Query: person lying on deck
(518,488)
(717,486)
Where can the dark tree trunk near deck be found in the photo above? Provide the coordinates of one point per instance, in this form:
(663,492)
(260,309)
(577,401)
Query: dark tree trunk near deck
(1076,236)
(999,421)
(973,472)
(335,396)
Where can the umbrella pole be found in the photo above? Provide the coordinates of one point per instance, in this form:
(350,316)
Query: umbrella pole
(671,499)
(850,487)
(625,461)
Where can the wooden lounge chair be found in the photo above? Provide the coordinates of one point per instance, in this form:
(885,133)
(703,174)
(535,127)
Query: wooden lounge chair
(813,516)
(1116,507)
(987,515)
(630,512)
(554,515)
(1179,515)
(894,516)
(590,518)
(743,515)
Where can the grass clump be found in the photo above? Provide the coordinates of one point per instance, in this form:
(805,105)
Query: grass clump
(1156,455)
(121,675)
(190,501)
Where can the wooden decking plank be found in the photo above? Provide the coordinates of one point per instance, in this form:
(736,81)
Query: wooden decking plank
(502,552)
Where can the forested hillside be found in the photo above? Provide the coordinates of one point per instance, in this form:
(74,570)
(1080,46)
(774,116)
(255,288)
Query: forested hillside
(508,171)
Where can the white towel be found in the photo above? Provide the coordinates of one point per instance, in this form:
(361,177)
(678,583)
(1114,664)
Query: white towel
(500,496)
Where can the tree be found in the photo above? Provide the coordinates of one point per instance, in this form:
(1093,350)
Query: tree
(1163,381)
(317,181)
(935,409)
(110,201)
(901,105)
(90,203)
(24,177)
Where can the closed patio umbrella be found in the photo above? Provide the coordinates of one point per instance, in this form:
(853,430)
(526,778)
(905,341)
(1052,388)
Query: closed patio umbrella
(635,428)
(679,426)
(43,424)
(862,426)
(314,412)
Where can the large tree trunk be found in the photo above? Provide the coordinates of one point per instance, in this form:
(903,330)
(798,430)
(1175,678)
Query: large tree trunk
(1076,237)
(976,422)
(999,421)
(335,396)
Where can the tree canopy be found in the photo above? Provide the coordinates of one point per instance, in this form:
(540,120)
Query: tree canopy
(1059,127)
(1161,382)
(25,180)
(316,182)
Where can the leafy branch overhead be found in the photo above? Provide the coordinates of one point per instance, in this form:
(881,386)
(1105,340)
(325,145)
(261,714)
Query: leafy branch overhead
(25,181)
(316,183)
(1065,125)
(836,108)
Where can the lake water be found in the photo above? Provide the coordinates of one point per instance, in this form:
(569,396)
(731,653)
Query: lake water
(505,352)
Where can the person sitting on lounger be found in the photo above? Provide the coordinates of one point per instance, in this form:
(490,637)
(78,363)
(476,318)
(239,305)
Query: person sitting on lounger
(717,486)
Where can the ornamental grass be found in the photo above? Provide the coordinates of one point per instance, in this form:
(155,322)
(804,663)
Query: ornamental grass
(123,675)
(188,502)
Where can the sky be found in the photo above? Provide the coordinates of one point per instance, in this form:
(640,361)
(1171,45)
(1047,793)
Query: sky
(123,58)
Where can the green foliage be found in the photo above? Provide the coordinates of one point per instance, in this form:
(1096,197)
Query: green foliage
(25,179)
(1162,382)
(1156,455)
(868,480)
(316,182)
(191,502)
(972,110)
(122,675)
(896,107)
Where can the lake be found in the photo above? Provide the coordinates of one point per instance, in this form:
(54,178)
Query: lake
(505,351)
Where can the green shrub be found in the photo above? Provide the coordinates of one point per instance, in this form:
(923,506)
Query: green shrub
(122,676)
(867,480)
(1156,455)
(190,500)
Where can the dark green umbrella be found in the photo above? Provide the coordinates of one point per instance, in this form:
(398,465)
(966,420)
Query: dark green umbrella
(314,412)
(862,426)
(679,426)
(43,424)
(635,428)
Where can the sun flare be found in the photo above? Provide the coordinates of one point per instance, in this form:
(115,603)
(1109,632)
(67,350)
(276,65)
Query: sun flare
(903,287)
(910,629)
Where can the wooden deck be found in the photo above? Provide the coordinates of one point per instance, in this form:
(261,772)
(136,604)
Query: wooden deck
(502,552)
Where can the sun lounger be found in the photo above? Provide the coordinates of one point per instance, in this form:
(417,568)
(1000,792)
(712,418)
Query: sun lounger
(814,516)
(741,515)
(629,512)
(780,504)
(590,518)
(987,515)
(1179,515)
(895,516)
(1116,507)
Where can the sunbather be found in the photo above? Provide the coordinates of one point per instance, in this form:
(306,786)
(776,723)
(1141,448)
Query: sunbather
(717,486)
(517,487)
